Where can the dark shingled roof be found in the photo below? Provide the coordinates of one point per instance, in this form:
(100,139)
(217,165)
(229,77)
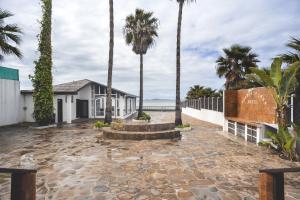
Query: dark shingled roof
(74,87)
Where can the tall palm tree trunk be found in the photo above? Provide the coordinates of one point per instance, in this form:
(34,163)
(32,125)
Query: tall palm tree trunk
(178,120)
(108,112)
(282,116)
(141,87)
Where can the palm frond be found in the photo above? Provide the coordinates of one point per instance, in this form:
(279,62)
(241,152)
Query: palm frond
(294,44)
(263,77)
(236,64)
(9,49)
(289,79)
(9,33)
(275,72)
(294,54)
(140,30)
(4,14)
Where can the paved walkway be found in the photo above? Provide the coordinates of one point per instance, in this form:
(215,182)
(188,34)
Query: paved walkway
(75,163)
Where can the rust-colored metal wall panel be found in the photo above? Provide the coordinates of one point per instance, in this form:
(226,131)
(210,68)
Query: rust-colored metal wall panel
(231,103)
(256,105)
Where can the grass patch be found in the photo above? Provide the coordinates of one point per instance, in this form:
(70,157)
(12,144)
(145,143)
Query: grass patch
(183,126)
(100,124)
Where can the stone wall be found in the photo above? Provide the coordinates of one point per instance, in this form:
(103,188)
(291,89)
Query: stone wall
(256,105)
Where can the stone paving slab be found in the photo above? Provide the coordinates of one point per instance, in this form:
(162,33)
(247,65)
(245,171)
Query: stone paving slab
(76,163)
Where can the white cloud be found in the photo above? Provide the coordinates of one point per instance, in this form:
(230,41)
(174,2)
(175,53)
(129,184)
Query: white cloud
(80,39)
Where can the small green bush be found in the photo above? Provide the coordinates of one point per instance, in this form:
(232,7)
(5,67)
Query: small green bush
(183,126)
(100,124)
(145,116)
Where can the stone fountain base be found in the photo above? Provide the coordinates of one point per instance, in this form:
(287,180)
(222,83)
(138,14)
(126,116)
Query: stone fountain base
(146,131)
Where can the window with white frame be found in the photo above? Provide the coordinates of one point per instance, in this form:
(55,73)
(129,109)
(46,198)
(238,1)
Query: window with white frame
(99,107)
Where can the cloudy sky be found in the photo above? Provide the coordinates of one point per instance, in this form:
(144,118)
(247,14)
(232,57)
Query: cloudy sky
(80,39)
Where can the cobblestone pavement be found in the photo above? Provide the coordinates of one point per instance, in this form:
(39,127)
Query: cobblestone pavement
(75,163)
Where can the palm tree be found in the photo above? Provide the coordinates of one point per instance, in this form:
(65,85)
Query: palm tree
(291,57)
(108,109)
(8,33)
(235,65)
(140,31)
(282,83)
(198,91)
(178,120)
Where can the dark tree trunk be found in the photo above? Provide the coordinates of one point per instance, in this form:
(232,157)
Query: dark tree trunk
(108,114)
(141,87)
(178,120)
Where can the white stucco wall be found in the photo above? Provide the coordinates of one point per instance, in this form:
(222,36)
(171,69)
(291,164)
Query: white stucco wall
(73,106)
(211,116)
(69,108)
(10,102)
(27,109)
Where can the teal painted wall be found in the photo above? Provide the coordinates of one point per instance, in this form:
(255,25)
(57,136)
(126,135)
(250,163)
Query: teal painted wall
(9,73)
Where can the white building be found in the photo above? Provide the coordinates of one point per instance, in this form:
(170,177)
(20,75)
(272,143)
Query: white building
(82,99)
(72,101)
(10,101)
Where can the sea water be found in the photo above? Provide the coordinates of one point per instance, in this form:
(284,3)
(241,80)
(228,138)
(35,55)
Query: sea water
(158,102)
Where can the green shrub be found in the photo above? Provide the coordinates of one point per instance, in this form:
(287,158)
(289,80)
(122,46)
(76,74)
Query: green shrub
(183,126)
(100,124)
(42,79)
(284,141)
(145,116)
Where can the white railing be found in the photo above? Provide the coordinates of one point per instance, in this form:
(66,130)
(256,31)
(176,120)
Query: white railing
(209,103)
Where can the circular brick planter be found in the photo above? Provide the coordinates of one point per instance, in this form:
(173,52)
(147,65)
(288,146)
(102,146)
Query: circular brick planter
(132,127)
(142,132)
(108,133)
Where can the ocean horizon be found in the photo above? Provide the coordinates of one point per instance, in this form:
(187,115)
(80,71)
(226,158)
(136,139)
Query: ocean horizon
(158,102)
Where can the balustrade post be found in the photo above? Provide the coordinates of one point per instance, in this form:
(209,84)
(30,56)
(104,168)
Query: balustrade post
(23,186)
(200,103)
(271,186)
